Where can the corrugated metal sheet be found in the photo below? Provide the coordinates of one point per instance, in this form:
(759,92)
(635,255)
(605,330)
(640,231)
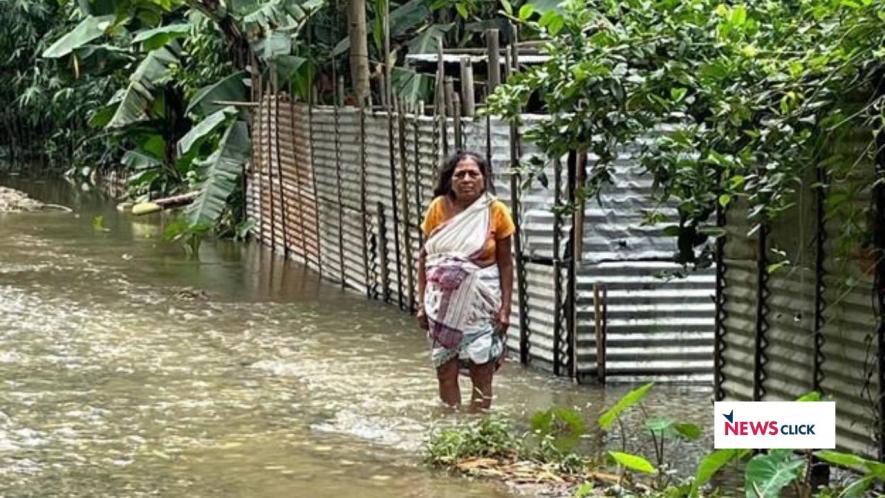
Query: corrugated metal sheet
(739,295)
(849,319)
(790,350)
(648,336)
(657,327)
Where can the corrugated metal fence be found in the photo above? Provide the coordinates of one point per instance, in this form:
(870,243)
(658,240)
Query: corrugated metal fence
(815,324)
(343,191)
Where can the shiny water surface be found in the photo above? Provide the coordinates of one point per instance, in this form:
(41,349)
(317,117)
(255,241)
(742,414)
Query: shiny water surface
(129,370)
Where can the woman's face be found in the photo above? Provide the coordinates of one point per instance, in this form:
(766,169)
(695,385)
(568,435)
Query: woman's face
(467,180)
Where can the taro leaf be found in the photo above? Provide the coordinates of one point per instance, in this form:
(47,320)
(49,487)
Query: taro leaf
(767,474)
(158,37)
(629,399)
(564,424)
(660,425)
(635,463)
(229,88)
(853,462)
(810,396)
(688,431)
(710,465)
(88,30)
(858,488)
(138,100)
(220,174)
(196,135)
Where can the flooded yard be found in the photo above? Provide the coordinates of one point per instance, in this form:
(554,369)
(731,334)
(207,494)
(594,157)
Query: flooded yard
(129,370)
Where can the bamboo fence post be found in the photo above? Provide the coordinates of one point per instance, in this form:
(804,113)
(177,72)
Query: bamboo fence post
(299,195)
(283,207)
(517,236)
(313,177)
(456,117)
(406,211)
(468,96)
(363,198)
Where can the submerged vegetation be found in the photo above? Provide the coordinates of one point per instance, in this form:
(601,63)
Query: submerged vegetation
(551,452)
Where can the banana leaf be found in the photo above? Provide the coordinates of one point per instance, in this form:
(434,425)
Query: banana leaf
(158,37)
(402,19)
(410,85)
(139,98)
(197,135)
(428,40)
(229,88)
(220,174)
(88,30)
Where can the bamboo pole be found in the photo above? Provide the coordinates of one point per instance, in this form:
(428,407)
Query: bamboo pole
(493,52)
(299,196)
(391,111)
(450,95)
(313,177)
(406,211)
(363,198)
(283,204)
(515,152)
(459,136)
(339,93)
(268,130)
(468,97)
(417,166)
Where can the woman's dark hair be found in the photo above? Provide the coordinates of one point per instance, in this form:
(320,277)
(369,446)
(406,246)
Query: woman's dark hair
(444,181)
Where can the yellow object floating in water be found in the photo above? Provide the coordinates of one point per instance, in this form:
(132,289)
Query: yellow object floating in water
(143,208)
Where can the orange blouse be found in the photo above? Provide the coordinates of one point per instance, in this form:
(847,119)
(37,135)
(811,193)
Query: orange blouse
(502,226)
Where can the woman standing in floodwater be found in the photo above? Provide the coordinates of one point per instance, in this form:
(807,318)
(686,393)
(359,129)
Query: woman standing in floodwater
(465,278)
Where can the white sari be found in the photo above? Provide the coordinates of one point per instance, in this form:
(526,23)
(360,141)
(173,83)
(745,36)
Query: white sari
(461,298)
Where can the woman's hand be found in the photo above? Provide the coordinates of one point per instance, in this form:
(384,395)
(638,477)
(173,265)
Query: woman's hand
(503,320)
(421,315)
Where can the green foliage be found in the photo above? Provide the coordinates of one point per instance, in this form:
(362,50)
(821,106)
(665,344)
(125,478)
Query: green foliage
(229,88)
(88,30)
(564,425)
(220,174)
(632,462)
(198,135)
(140,98)
(152,39)
(710,465)
(188,234)
(492,436)
(751,97)
(767,474)
(627,401)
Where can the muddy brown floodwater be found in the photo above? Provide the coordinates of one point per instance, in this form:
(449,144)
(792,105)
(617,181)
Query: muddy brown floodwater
(129,370)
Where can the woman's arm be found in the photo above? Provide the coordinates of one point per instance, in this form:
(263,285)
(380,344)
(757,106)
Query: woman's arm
(422,283)
(504,258)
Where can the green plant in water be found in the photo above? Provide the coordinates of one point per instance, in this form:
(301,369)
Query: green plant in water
(659,429)
(189,235)
(489,437)
(564,427)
